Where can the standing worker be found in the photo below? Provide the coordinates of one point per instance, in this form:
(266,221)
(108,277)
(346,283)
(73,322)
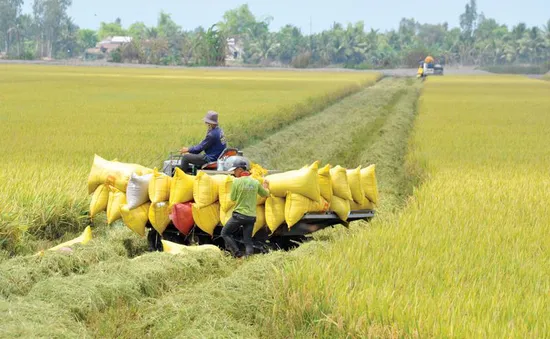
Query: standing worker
(213,145)
(244,193)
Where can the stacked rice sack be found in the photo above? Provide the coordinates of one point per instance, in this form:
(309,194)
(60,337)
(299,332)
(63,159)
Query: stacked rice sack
(108,182)
(159,199)
(314,189)
(139,195)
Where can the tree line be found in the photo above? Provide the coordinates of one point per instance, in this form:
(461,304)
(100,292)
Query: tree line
(48,32)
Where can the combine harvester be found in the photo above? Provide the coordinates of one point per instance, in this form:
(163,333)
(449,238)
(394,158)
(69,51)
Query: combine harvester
(429,67)
(191,209)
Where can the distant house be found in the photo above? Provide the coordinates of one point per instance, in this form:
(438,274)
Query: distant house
(106,46)
(234,50)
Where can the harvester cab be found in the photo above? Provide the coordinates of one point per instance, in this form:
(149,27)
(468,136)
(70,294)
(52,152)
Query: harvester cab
(216,167)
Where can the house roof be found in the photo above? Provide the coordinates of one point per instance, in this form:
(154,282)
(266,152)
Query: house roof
(121,39)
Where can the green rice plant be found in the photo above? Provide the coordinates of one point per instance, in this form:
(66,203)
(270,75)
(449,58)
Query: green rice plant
(469,255)
(518,69)
(54,119)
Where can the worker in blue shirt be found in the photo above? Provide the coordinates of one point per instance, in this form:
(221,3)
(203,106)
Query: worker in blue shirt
(213,145)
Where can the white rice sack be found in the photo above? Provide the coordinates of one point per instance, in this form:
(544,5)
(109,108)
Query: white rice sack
(137,192)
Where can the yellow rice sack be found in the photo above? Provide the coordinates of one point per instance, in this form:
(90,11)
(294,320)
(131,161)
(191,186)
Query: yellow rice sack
(366,205)
(173,248)
(355,186)
(116,200)
(260,219)
(370,186)
(159,187)
(181,187)
(325,184)
(260,200)
(113,173)
(225,215)
(100,200)
(341,207)
(340,185)
(136,219)
(206,188)
(83,239)
(274,212)
(297,205)
(224,191)
(304,181)
(159,216)
(207,218)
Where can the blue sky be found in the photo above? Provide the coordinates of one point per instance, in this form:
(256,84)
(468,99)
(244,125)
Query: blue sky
(383,15)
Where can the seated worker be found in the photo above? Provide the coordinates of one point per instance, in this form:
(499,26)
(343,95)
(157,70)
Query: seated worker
(213,145)
(244,192)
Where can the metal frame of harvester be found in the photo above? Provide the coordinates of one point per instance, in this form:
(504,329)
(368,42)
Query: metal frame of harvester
(283,238)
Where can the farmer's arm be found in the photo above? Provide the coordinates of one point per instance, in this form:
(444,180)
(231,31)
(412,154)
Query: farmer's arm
(263,190)
(205,144)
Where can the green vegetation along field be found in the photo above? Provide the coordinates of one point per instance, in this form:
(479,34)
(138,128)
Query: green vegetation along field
(469,256)
(110,288)
(53,120)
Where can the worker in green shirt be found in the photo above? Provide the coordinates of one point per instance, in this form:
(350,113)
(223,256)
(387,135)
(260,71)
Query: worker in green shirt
(244,193)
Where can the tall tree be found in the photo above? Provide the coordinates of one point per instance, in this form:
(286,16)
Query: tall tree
(171,32)
(167,28)
(66,44)
(211,47)
(25,32)
(138,31)
(468,20)
(107,29)
(237,22)
(87,38)
(50,15)
(10,10)
(290,43)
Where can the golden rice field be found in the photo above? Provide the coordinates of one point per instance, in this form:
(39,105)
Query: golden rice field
(469,256)
(54,119)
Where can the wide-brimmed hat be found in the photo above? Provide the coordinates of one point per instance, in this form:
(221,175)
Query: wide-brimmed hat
(211,118)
